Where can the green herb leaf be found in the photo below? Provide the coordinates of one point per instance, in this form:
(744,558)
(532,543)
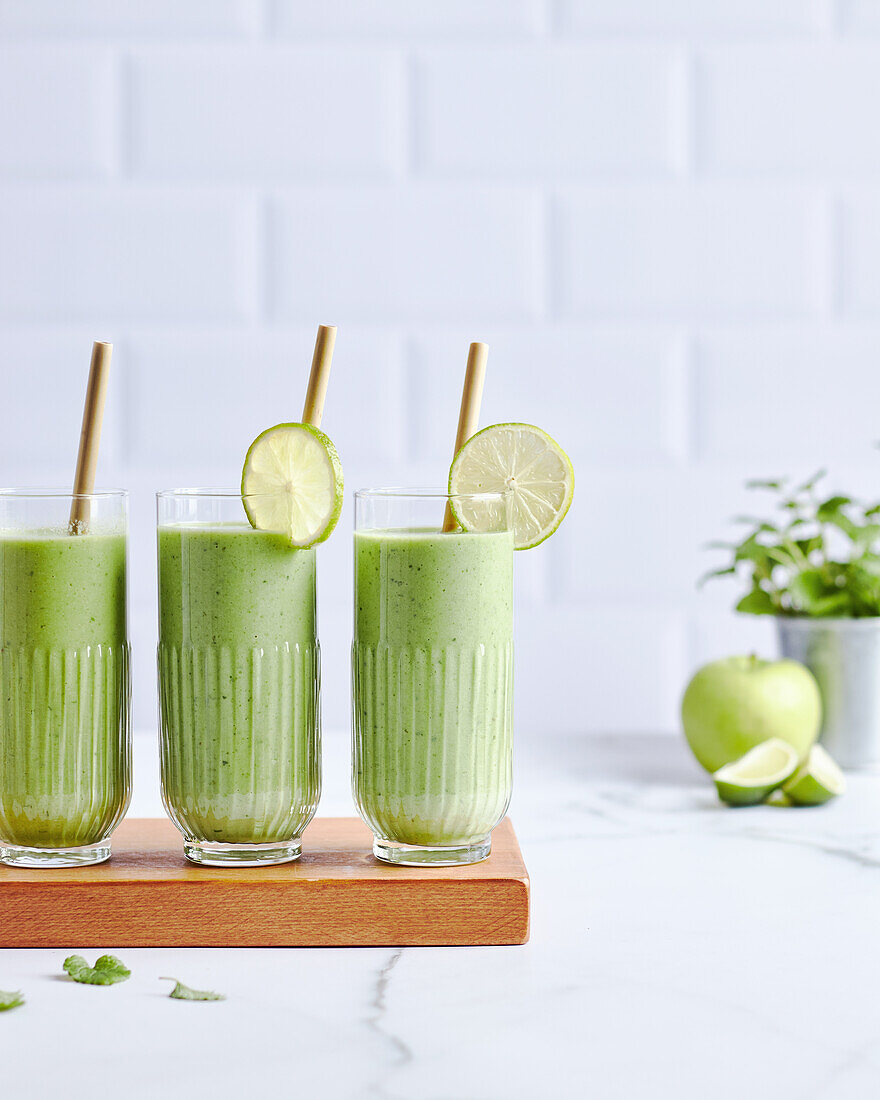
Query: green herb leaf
(829,508)
(182,992)
(757,602)
(107,970)
(10,1000)
(812,482)
(765,483)
(809,588)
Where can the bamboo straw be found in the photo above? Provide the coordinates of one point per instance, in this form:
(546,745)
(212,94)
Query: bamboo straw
(90,436)
(313,409)
(469,414)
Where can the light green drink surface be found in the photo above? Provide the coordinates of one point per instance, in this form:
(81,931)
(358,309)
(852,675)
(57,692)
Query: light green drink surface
(433,679)
(64,756)
(238,668)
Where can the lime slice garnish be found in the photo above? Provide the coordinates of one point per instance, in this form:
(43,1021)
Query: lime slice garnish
(816,780)
(755,776)
(524,460)
(292,483)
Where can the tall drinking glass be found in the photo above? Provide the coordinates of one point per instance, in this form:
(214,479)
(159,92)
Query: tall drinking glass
(65,735)
(432,674)
(239,676)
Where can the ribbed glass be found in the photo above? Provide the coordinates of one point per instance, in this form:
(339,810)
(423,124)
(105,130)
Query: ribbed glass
(65,765)
(240,741)
(432,674)
(239,681)
(433,739)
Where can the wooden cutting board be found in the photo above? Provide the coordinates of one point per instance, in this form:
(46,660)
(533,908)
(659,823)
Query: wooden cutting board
(336,895)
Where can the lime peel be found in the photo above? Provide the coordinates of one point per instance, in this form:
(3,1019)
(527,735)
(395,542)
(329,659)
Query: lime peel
(523,460)
(292,483)
(817,780)
(753,778)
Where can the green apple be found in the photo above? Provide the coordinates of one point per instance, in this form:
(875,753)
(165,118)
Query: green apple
(732,705)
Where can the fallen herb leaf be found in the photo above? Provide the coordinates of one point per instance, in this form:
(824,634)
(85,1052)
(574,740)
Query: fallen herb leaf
(10,1000)
(182,992)
(107,970)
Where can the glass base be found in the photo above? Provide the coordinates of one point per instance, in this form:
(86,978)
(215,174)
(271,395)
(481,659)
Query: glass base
(16,855)
(421,855)
(209,854)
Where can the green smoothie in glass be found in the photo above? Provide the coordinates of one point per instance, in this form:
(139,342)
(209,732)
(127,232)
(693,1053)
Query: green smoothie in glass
(65,771)
(432,667)
(238,683)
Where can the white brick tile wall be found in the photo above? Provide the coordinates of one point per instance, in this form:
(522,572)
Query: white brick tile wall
(805,108)
(321,112)
(625,378)
(690,253)
(859,258)
(860,15)
(196,18)
(662,215)
(500,112)
(199,399)
(101,254)
(402,18)
(56,118)
(788,397)
(716,17)
(400,253)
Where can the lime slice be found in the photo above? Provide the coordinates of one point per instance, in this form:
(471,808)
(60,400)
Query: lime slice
(292,483)
(816,780)
(753,777)
(520,458)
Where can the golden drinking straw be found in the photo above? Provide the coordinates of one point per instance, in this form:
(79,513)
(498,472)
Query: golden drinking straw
(313,409)
(90,436)
(469,414)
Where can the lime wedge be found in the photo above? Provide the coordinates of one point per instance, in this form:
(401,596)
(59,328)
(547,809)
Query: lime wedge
(524,460)
(753,777)
(816,780)
(292,483)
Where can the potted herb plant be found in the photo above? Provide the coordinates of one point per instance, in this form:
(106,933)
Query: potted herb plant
(815,566)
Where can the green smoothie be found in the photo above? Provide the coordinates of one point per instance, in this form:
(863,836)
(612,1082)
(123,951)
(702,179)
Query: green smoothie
(238,680)
(65,774)
(433,684)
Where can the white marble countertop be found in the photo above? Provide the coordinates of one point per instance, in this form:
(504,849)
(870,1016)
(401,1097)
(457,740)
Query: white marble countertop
(678,949)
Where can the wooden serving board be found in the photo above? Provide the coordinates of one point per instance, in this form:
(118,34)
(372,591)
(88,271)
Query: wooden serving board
(336,895)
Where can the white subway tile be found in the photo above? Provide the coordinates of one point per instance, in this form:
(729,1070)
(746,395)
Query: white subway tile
(608,396)
(416,252)
(720,17)
(597,669)
(788,399)
(200,399)
(109,255)
(55,112)
(57,18)
(797,109)
(689,252)
(859,279)
(260,112)
(403,18)
(859,15)
(44,385)
(721,633)
(547,111)
(640,538)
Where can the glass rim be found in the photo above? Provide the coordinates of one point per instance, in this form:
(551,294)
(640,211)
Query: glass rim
(193,493)
(427,493)
(61,494)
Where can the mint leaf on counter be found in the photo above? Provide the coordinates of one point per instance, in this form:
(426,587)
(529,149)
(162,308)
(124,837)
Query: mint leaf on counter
(182,992)
(10,1000)
(107,970)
